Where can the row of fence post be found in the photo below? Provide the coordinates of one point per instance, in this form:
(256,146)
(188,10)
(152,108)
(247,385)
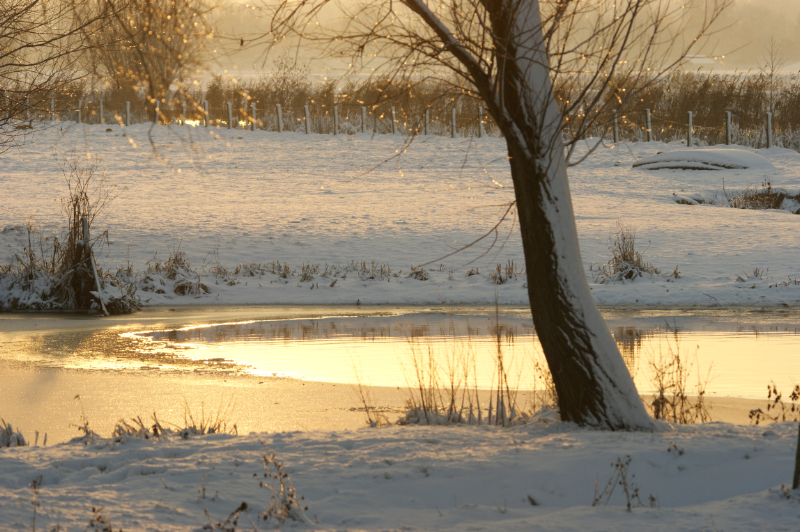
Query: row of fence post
(690,128)
(279,115)
(253,119)
(157,118)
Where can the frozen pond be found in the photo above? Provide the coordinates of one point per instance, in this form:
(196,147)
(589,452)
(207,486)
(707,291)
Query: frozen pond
(281,365)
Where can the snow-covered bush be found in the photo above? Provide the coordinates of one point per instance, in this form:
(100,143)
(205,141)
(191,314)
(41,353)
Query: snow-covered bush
(626,263)
(55,273)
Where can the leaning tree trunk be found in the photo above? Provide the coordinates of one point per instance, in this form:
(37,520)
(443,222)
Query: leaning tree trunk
(593,384)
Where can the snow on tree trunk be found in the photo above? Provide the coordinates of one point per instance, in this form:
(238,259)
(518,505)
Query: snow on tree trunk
(593,384)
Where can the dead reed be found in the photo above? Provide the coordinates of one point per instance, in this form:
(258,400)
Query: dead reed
(626,262)
(55,273)
(672,401)
(776,410)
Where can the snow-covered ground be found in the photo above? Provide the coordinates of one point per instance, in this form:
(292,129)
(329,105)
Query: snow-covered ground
(710,477)
(238,197)
(230,197)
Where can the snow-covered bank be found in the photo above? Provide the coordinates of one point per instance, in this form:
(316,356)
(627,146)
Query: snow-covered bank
(543,477)
(365,209)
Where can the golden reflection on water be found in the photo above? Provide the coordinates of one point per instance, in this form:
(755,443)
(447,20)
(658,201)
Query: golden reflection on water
(381,350)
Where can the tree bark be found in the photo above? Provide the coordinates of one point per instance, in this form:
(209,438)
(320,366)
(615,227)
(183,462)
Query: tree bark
(593,384)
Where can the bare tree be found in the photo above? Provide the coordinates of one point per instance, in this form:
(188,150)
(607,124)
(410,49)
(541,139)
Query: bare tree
(147,45)
(39,44)
(509,53)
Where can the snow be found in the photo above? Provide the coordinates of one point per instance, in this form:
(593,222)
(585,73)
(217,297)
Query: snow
(717,475)
(228,197)
(233,197)
(705,159)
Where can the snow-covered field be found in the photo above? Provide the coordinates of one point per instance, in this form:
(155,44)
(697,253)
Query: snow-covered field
(712,477)
(238,197)
(230,197)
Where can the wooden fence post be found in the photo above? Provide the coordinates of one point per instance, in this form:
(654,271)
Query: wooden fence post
(649,126)
(616,127)
(453,124)
(158,109)
(335,119)
(102,119)
(308,120)
(230,115)
(80,105)
(480,121)
(127,114)
(394,121)
(280,117)
(52,109)
(769,130)
(253,116)
(28,109)
(205,113)
(427,119)
(183,112)
(689,138)
(728,129)
(363,119)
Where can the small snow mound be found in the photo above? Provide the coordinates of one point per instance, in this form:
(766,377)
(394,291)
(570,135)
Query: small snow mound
(704,159)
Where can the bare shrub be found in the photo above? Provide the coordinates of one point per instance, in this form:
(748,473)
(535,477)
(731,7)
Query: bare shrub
(178,269)
(776,409)
(670,379)
(759,198)
(308,272)
(626,262)
(421,274)
(503,274)
(619,477)
(284,504)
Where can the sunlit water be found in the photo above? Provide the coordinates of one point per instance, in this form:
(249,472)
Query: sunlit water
(737,359)
(733,354)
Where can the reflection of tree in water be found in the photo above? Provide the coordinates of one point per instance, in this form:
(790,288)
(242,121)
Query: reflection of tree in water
(327,329)
(630,340)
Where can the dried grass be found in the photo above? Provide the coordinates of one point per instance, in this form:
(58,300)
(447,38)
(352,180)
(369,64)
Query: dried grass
(776,410)
(670,378)
(626,263)
(55,273)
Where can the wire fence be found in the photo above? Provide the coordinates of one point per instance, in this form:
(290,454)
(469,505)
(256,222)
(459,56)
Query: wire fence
(703,130)
(344,119)
(348,119)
